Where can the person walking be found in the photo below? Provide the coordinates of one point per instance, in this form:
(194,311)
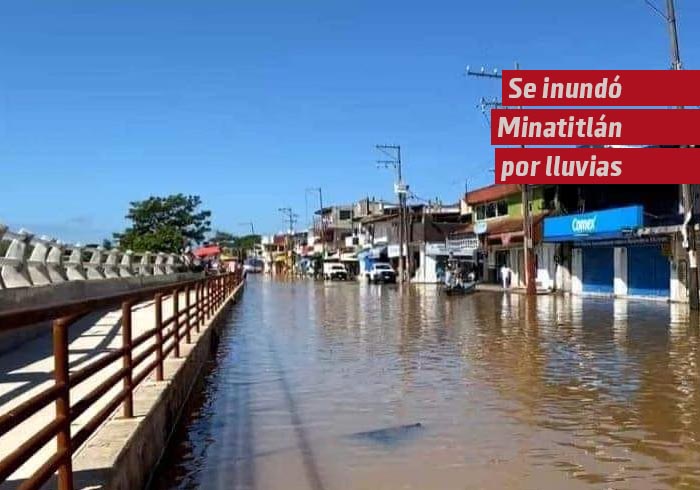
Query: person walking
(505,276)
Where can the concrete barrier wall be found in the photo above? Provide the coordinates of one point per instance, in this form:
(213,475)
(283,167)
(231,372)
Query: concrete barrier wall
(27,260)
(125,452)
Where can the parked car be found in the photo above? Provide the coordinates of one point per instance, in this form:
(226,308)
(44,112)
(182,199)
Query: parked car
(334,271)
(381,272)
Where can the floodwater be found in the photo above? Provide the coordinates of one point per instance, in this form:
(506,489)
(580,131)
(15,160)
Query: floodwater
(348,386)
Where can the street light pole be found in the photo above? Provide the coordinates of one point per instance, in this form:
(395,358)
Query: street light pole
(689,241)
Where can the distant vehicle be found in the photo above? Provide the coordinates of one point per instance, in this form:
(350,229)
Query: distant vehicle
(381,272)
(334,270)
(253,266)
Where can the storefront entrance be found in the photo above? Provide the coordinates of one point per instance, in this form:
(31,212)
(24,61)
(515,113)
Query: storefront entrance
(598,270)
(648,271)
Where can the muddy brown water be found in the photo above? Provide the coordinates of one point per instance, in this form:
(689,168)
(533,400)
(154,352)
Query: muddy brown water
(354,386)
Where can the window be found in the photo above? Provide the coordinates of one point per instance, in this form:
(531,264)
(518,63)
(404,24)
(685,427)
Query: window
(345,214)
(502,208)
(492,210)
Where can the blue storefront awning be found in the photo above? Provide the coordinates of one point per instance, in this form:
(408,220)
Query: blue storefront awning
(377,251)
(596,225)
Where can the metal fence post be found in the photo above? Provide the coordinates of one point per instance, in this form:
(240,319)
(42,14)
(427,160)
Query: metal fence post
(159,336)
(176,321)
(188,316)
(127,360)
(209,299)
(200,302)
(61,379)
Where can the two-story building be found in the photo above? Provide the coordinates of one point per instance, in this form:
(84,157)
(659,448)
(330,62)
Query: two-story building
(333,224)
(273,255)
(428,228)
(496,214)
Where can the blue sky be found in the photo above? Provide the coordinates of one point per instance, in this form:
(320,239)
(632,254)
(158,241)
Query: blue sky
(248,103)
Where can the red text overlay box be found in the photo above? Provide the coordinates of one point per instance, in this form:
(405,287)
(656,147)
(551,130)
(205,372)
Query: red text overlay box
(597,165)
(636,88)
(595,127)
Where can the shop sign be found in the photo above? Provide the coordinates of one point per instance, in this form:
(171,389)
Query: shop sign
(480,227)
(393,251)
(463,246)
(436,249)
(609,223)
(624,242)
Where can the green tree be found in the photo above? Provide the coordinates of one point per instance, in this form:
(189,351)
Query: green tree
(165,224)
(234,244)
(224,239)
(246,242)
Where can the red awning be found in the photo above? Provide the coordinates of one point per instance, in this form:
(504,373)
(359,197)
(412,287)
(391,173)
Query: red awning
(507,230)
(491,193)
(209,251)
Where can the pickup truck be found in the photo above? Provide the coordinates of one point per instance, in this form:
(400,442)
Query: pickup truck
(380,272)
(335,270)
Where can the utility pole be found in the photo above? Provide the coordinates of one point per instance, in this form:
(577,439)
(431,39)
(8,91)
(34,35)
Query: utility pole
(323,223)
(248,223)
(291,218)
(689,242)
(528,246)
(394,153)
(252,233)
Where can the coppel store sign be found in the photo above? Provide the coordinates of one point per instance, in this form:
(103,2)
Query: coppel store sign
(610,223)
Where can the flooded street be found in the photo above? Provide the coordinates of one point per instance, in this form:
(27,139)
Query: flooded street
(348,386)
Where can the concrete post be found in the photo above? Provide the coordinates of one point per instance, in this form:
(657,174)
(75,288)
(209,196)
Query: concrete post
(94,265)
(126,265)
(620,266)
(36,265)
(54,263)
(159,264)
(171,264)
(14,268)
(145,267)
(75,271)
(576,271)
(111,265)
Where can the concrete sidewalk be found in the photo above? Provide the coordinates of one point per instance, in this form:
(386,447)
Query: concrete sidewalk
(500,289)
(28,370)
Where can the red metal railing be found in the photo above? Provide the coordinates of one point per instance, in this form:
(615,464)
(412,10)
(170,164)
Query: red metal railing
(210,293)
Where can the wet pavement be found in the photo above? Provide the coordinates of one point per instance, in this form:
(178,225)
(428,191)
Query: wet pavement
(354,386)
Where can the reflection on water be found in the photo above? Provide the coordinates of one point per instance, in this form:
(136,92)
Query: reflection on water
(355,386)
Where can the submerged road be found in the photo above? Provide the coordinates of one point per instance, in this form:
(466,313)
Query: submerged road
(351,386)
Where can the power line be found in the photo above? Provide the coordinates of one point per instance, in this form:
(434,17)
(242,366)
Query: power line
(290,218)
